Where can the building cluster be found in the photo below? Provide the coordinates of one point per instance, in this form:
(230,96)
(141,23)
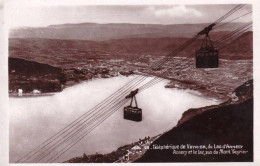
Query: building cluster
(104,65)
(136,150)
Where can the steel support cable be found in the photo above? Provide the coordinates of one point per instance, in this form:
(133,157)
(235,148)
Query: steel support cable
(149,83)
(72,124)
(97,114)
(237,18)
(233,9)
(83,115)
(223,42)
(92,122)
(155,81)
(167,58)
(126,92)
(156,65)
(122,102)
(234,33)
(70,138)
(57,155)
(75,122)
(232,37)
(232,12)
(229,13)
(179,50)
(103,113)
(231,33)
(138,88)
(174,53)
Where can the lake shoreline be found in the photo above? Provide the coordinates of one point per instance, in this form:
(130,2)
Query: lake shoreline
(179,84)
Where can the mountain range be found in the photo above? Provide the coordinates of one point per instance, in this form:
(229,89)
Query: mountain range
(101,32)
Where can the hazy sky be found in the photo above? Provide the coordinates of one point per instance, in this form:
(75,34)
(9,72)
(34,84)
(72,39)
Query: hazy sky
(37,16)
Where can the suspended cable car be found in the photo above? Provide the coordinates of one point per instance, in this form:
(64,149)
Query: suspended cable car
(130,112)
(207,56)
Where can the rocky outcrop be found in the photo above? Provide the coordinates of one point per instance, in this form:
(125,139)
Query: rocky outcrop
(240,94)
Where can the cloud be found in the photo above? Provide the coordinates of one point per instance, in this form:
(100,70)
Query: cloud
(176,11)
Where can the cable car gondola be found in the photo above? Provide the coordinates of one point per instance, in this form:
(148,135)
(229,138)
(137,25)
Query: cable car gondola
(207,56)
(130,112)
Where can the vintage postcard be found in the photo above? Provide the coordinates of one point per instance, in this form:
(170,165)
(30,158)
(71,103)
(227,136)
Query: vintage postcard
(130,83)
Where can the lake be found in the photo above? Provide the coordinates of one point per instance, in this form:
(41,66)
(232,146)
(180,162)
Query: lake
(34,119)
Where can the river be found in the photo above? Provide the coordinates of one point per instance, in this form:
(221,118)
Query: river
(34,119)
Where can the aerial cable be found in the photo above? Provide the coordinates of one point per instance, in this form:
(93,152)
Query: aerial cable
(126,93)
(143,89)
(87,132)
(186,44)
(237,18)
(232,33)
(71,136)
(110,109)
(88,119)
(155,81)
(151,82)
(58,135)
(80,118)
(237,35)
(229,13)
(83,135)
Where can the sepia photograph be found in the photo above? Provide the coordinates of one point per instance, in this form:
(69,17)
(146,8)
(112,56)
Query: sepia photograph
(151,83)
